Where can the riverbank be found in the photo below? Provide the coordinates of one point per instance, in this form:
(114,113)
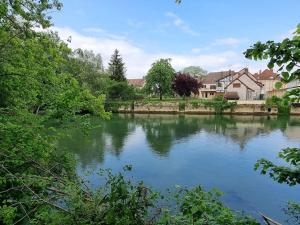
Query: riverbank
(193,107)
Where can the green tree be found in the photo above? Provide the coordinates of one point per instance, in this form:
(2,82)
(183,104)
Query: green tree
(159,78)
(87,68)
(116,67)
(286,56)
(195,71)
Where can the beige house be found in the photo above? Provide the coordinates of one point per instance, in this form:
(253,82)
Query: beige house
(269,79)
(245,86)
(211,85)
(233,85)
(138,83)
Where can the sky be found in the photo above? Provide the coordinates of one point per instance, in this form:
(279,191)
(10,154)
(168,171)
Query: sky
(212,34)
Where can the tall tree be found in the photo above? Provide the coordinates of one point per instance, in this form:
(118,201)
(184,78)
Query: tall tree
(159,78)
(195,71)
(286,56)
(184,85)
(116,67)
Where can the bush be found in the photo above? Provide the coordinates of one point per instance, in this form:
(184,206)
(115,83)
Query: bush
(219,104)
(282,104)
(123,91)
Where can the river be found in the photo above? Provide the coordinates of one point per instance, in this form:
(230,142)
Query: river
(188,150)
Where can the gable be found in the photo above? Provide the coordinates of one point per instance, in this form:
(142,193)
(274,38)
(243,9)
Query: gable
(237,83)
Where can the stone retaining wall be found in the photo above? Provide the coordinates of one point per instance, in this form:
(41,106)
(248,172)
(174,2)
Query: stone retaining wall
(174,107)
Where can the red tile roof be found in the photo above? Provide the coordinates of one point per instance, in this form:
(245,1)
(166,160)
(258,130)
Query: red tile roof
(266,75)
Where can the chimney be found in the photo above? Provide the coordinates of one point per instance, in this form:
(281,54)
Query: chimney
(246,70)
(259,71)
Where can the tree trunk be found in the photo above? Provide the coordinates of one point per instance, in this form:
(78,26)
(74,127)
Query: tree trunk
(160,96)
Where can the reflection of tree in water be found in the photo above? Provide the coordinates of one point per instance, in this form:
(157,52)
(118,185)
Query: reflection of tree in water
(88,146)
(161,131)
(159,135)
(118,129)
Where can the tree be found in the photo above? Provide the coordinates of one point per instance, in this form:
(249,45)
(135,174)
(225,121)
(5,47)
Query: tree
(159,78)
(116,67)
(184,85)
(120,91)
(285,55)
(195,71)
(87,68)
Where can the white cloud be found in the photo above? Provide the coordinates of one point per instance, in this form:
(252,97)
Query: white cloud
(228,41)
(94,30)
(182,25)
(101,32)
(135,23)
(288,34)
(138,60)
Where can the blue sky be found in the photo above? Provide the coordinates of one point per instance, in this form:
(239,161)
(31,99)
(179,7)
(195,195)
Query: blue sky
(210,33)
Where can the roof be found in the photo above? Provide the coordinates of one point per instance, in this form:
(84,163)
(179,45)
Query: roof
(266,75)
(251,76)
(136,82)
(241,83)
(231,96)
(213,77)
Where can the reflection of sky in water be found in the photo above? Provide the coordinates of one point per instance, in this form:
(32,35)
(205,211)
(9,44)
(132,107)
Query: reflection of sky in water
(166,150)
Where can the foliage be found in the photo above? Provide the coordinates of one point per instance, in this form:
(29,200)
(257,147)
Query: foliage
(293,211)
(87,68)
(196,71)
(219,104)
(278,85)
(283,174)
(283,104)
(116,68)
(38,182)
(181,106)
(159,78)
(285,54)
(121,91)
(196,206)
(22,15)
(185,85)
(293,95)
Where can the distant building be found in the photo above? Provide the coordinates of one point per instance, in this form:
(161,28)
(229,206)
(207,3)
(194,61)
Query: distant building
(246,86)
(268,78)
(138,83)
(214,82)
(233,85)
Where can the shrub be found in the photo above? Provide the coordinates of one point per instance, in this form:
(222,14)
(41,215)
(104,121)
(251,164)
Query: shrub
(181,106)
(219,104)
(282,104)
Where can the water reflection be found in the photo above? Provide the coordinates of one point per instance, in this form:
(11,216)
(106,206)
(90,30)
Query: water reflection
(162,131)
(189,150)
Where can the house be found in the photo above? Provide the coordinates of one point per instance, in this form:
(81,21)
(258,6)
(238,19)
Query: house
(137,83)
(214,82)
(286,87)
(233,85)
(245,85)
(269,79)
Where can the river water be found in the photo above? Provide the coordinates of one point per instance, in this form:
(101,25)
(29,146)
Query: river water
(212,151)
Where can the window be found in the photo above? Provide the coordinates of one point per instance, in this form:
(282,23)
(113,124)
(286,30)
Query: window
(236,85)
(213,87)
(211,93)
(204,86)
